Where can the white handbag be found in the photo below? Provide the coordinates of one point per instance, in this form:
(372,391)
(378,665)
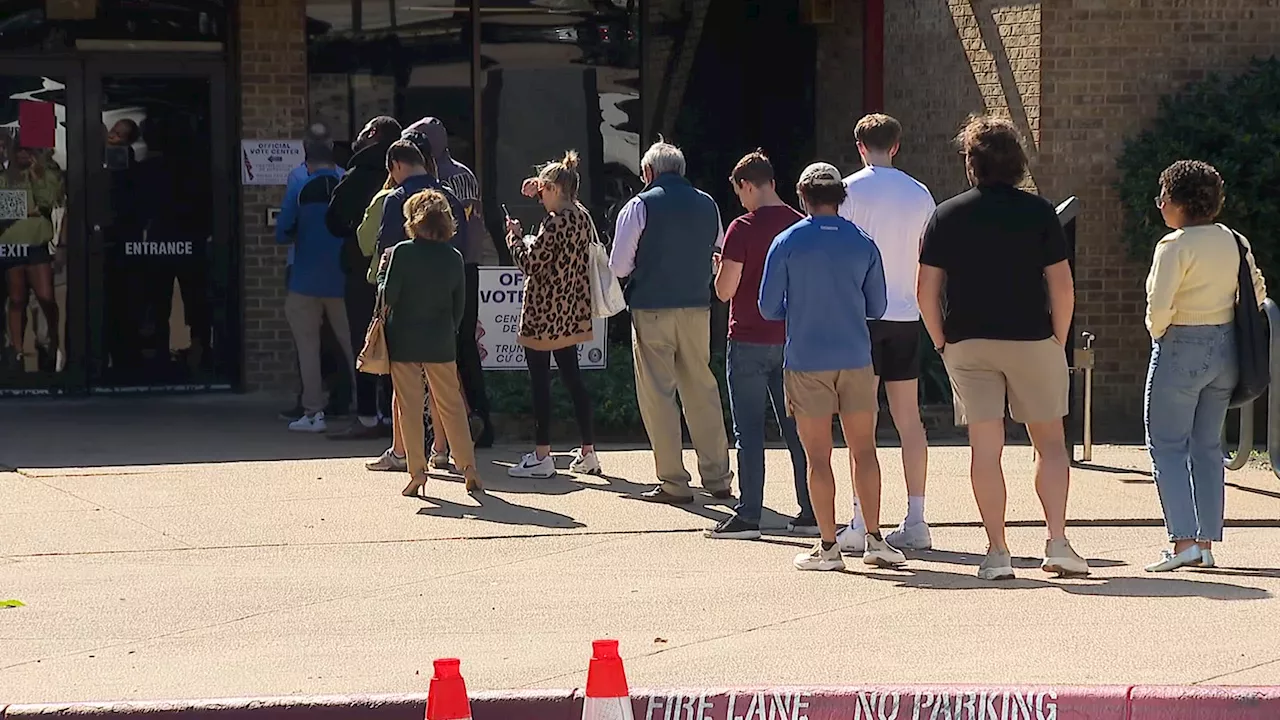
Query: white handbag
(606,292)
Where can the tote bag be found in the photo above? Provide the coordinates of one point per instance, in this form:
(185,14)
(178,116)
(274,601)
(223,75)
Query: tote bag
(374,358)
(1253,337)
(606,292)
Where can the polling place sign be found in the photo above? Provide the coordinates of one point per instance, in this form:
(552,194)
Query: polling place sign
(501,297)
(268,162)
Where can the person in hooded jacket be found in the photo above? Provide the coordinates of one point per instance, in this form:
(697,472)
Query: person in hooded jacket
(462,182)
(366,174)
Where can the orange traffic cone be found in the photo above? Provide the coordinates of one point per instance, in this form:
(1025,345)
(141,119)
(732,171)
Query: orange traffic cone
(447,698)
(607,695)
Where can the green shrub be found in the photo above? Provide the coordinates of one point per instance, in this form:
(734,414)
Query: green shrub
(1232,124)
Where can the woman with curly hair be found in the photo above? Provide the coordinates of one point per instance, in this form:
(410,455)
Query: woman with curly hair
(424,289)
(1191,295)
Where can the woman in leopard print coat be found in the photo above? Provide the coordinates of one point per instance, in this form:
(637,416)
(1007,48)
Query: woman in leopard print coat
(556,315)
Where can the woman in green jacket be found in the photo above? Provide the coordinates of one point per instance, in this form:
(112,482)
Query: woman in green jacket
(424,290)
(28,250)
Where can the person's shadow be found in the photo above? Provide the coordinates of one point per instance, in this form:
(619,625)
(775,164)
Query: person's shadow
(1147,585)
(491,508)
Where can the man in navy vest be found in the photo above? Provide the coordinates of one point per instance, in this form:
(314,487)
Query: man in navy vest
(664,241)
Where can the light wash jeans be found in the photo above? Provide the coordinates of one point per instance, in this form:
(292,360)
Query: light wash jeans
(1193,371)
(754,373)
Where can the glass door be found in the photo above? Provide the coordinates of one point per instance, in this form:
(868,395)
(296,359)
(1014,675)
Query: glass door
(160,265)
(41,227)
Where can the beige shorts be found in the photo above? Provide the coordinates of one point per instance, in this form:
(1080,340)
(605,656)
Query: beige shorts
(828,392)
(1031,374)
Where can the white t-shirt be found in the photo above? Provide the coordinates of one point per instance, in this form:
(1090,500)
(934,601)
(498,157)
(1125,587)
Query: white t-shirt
(893,208)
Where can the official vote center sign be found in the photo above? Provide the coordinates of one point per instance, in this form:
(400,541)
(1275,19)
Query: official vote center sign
(269,162)
(501,297)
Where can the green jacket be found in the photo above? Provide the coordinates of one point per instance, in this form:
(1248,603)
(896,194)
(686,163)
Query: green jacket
(43,194)
(424,289)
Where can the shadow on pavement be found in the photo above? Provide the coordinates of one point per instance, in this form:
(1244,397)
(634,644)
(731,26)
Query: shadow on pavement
(490,508)
(974,559)
(1140,586)
(125,431)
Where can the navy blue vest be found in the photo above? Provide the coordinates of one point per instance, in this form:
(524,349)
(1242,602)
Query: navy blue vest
(673,257)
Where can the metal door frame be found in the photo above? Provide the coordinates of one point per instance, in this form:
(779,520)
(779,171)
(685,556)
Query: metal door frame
(224,290)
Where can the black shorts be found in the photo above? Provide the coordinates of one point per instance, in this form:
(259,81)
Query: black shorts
(895,349)
(12,256)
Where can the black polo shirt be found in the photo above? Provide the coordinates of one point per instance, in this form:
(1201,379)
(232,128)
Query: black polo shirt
(994,242)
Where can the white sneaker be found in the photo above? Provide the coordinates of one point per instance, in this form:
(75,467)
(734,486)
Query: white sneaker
(388,461)
(851,541)
(531,467)
(309,424)
(588,464)
(911,537)
(1170,560)
(881,554)
(819,559)
(997,565)
(1060,558)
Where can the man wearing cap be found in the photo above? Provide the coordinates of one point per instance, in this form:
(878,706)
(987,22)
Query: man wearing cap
(825,278)
(316,284)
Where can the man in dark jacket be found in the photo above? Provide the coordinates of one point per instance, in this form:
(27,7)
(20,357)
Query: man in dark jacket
(366,174)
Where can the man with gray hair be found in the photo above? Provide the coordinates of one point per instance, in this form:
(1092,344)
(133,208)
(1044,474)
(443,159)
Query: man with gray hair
(664,241)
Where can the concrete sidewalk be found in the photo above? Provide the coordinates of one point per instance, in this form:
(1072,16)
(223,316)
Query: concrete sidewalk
(194,548)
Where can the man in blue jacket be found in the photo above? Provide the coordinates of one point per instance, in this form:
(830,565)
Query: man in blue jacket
(316,280)
(824,277)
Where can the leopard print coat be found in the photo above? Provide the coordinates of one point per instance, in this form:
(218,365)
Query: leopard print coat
(557,289)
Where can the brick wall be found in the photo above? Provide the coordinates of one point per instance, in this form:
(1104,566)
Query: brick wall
(1106,64)
(838,95)
(944,61)
(273,94)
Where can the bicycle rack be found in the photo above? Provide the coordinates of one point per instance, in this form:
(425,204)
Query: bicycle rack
(1244,448)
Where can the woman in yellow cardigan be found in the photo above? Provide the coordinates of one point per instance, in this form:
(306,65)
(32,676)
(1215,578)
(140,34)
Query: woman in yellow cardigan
(1191,297)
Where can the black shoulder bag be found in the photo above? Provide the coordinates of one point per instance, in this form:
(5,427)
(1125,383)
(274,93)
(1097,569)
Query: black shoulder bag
(1253,337)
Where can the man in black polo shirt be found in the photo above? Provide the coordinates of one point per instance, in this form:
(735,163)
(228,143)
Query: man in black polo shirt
(1001,255)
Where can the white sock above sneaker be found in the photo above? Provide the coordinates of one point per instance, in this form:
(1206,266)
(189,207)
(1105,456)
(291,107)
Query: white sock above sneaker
(858,525)
(915,510)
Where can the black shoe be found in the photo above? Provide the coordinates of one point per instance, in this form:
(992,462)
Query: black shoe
(804,525)
(725,494)
(46,359)
(485,440)
(294,413)
(357,431)
(477,427)
(734,528)
(659,495)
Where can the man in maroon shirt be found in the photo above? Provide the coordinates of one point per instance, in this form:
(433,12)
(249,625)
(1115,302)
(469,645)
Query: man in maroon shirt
(755,349)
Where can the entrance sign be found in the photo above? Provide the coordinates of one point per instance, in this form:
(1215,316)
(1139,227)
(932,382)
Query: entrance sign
(501,297)
(269,162)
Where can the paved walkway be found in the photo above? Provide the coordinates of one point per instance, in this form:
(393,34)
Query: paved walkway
(185,548)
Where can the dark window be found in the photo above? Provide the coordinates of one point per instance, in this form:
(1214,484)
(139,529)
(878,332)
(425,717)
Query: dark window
(36,25)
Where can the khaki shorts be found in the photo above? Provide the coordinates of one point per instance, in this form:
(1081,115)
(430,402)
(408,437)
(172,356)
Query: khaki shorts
(1031,374)
(828,392)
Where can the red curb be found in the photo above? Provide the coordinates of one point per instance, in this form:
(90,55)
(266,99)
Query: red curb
(884,702)
(1205,703)
(540,705)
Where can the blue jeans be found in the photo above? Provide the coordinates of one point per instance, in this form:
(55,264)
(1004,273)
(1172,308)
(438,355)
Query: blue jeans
(755,378)
(1193,371)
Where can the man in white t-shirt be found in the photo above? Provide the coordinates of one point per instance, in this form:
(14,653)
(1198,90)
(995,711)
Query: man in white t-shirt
(893,208)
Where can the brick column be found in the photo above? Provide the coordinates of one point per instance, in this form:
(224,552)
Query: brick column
(273,104)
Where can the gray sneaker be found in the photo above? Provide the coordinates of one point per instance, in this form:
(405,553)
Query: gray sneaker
(911,537)
(1061,559)
(880,553)
(388,462)
(998,565)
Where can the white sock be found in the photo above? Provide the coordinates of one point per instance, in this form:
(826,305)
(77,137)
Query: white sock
(915,509)
(859,525)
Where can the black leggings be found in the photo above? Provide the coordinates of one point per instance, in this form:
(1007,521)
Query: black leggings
(539,362)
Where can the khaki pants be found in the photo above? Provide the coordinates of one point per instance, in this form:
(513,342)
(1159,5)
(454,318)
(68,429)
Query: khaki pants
(672,351)
(306,316)
(446,393)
